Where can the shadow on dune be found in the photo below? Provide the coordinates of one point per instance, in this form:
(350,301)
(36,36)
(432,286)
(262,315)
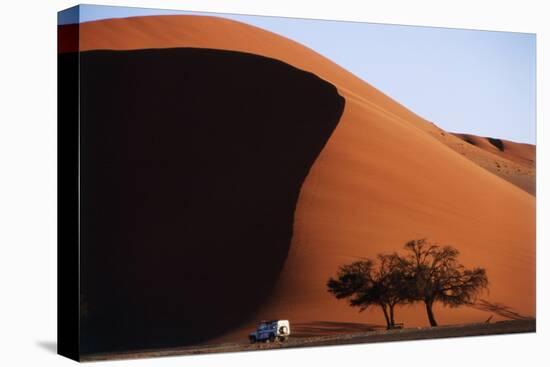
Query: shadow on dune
(319,328)
(501,310)
(192,162)
(497,143)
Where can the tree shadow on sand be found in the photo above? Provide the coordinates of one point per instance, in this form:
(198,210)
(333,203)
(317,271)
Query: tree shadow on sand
(319,328)
(500,310)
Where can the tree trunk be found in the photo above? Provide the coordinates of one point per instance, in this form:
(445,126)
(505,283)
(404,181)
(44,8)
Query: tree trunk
(388,325)
(392,321)
(430,312)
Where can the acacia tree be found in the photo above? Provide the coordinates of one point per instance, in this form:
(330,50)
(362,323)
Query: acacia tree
(435,275)
(393,281)
(366,284)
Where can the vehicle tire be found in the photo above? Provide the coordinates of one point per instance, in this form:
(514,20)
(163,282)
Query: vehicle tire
(283,330)
(271,338)
(252,339)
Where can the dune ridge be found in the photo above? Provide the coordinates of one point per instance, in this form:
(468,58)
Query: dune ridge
(204,31)
(385,176)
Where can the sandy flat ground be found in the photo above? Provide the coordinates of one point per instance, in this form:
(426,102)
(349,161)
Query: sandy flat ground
(373,336)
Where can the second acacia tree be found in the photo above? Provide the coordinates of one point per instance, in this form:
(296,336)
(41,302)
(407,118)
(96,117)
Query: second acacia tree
(435,275)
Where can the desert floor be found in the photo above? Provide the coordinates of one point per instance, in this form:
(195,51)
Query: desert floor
(370,336)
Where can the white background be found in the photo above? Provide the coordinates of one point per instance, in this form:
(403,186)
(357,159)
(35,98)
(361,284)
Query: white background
(28,182)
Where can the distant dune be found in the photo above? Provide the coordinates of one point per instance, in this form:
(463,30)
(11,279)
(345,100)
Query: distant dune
(514,162)
(523,154)
(384,177)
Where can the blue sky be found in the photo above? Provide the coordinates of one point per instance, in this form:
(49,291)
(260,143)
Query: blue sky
(477,82)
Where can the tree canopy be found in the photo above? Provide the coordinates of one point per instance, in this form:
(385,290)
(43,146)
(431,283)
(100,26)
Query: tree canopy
(427,272)
(366,283)
(437,276)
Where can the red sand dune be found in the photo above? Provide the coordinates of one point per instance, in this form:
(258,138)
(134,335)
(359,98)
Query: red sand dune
(523,154)
(386,176)
(514,162)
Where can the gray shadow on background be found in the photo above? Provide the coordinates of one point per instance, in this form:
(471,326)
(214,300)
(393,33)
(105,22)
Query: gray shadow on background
(50,346)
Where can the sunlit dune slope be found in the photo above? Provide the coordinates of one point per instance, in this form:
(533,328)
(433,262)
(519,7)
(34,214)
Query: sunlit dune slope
(383,178)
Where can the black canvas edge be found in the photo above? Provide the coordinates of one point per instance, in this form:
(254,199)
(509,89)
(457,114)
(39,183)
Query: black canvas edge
(68,216)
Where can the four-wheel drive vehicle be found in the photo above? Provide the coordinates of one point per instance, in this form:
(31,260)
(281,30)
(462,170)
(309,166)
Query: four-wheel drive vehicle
(270,331)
